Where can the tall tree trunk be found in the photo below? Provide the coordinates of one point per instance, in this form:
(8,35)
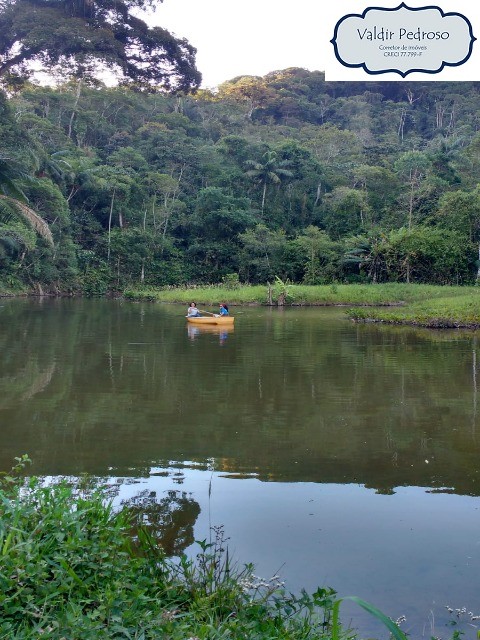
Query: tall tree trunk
(319,194)
(74,110)
(110,223)
(153,211)
(264,195)
(410,206)
(401,126)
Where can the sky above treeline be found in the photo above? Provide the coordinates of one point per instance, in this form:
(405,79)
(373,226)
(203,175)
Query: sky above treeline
(251,37)
(255,37)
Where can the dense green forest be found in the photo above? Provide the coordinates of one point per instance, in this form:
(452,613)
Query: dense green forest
(286,175)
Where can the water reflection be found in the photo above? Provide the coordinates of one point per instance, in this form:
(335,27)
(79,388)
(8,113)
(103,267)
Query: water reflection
(294,396)
(194,331)
(411,553)
(169,520)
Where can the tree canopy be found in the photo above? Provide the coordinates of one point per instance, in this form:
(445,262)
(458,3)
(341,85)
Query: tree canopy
(315,182)
(78,36)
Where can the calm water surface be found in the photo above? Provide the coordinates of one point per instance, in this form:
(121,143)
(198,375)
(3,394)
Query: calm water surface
(337,454)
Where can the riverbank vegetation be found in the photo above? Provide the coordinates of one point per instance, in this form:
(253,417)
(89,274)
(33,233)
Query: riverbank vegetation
(73,567)
(283,175)
(445,312)
(414,304)
(389,294)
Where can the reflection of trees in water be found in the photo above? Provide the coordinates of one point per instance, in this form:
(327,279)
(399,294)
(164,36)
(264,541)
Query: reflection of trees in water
(170,520)
(103,386)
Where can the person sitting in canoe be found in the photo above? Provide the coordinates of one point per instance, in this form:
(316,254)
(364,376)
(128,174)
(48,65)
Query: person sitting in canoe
(223,310)
(193,312)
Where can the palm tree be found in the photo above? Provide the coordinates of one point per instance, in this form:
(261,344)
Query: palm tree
(270,172)
(13,197)
(368,252)
(55,167)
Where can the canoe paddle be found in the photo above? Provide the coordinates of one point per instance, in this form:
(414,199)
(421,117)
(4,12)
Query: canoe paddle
(202,311)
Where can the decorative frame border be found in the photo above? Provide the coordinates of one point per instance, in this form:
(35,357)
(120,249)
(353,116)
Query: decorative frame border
(402,73)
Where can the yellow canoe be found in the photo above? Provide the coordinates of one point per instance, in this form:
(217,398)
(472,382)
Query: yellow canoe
(225,320)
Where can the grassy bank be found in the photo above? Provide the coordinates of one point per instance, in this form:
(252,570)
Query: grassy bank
(341,294)
(413,304)
(211,295)
(444,312)
(71,567)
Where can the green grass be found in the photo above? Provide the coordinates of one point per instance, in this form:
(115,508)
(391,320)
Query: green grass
(443,312)
(341,294)
(414,304)
(211,295)
(370,294)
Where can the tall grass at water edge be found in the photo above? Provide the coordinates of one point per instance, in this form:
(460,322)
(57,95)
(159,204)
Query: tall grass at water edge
(442,312)
(334,294)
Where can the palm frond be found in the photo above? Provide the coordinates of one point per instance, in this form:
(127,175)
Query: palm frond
(37,222)
(273,177)
(10,189)
(255,165)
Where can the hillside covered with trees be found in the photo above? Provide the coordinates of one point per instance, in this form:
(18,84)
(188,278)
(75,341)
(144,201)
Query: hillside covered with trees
(286,175)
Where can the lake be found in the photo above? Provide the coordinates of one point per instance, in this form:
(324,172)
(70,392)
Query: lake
(336,454)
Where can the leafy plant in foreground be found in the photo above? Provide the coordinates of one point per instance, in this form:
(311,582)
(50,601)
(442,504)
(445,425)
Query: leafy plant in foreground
(68,569)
